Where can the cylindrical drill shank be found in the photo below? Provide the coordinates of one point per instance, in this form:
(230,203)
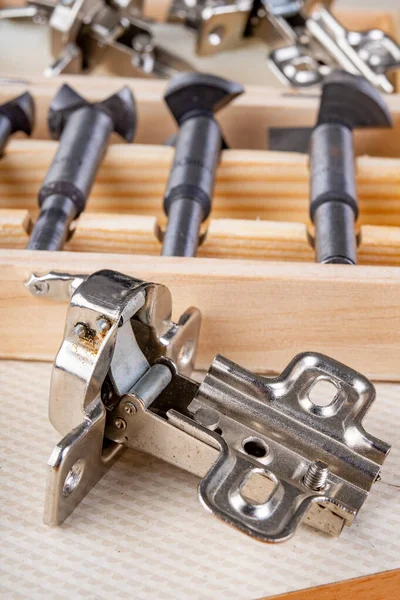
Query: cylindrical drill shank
(52,226)
(335,241)
(181,237)
(191,183)
(333,207)
(71,175)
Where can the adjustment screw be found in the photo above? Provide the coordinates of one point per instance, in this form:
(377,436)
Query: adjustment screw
(120,423)
(40,288)
(130,408)
(143,43)
(102,325)
(316,475)
(80,330)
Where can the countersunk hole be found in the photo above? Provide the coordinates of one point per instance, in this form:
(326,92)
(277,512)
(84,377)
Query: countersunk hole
(186,352)
(323,392)
(218,430)
(216,36)
(73,478)
(257,488)
(255,447)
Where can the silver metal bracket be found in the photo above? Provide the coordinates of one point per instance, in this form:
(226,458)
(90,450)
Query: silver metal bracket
(85,33)
(308,41)
(323,44)
(271,452)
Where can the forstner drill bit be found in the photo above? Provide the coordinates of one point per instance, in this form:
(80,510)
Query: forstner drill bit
(84,130)
(347,102)
(16,115)
(193,99)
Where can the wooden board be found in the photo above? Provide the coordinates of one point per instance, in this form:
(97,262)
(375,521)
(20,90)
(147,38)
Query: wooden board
(260,209)
(225,238)
(245,122)
(383,586)
(250,184)
(259,314)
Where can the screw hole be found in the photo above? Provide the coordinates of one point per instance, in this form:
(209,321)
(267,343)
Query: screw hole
(323,392)
(218,430)
(257,489)
(73,478)
(255,447)
(216,36)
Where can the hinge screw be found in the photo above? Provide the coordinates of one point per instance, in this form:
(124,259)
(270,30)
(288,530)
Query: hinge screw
(102,324)
(80,330)
(40,288)
(120,423)
(316,475)
(130,408)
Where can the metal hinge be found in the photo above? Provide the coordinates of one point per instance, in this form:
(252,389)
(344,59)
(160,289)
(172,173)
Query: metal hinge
(85,33)
(307,40)
(269,455)
(320,44)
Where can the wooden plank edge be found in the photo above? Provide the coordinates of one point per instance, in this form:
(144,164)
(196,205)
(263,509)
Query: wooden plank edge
(259,314)
(225,238)
(250,184)
(379,586)
(245,121)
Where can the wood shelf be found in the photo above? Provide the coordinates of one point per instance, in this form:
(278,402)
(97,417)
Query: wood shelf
(257,313)
(245,121)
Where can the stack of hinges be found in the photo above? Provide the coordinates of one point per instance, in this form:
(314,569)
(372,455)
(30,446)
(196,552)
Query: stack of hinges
(269,454)
(306,40)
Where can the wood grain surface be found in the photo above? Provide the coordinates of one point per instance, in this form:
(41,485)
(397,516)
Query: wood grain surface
(257,313)
(382,586)
(251,184)
(245,121)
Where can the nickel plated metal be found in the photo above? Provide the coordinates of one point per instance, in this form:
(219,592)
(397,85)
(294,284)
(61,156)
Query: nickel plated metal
(268,454)
(85,33)
(305,40)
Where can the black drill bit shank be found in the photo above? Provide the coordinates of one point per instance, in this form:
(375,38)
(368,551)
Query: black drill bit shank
(347,101)
(16,115)
(84,130)
(193,98)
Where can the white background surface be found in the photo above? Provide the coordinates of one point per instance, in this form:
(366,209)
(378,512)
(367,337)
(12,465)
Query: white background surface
(141,532)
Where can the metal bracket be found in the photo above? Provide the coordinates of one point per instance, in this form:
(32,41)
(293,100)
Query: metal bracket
(86,32)
(322,44)
(269,453)
(115,327)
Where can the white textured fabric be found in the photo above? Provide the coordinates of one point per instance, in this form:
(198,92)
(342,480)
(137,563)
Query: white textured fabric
(141,532)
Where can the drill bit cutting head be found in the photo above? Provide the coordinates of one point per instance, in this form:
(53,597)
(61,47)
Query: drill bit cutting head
(352,101)
(16,115)
(120,107)
(84,130)
(197,93)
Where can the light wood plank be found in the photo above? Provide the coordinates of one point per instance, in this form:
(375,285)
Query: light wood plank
(259,314)
(245,121)
(382,586)
(250,184)
(226,238)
